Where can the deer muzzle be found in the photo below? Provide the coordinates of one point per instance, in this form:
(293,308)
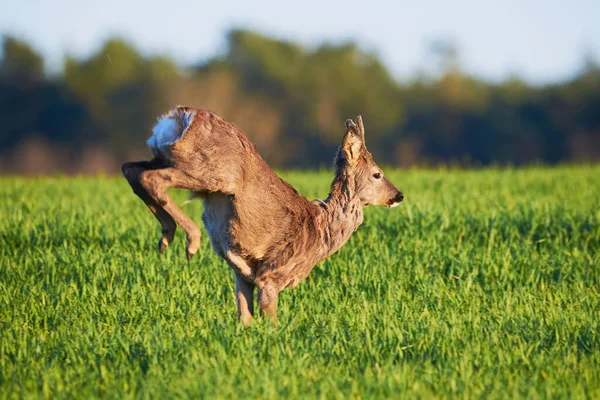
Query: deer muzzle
(396,200)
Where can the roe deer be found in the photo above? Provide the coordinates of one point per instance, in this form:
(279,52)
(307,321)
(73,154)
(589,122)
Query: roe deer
(270,235)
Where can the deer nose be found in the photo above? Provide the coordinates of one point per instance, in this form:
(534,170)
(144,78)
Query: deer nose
(399,197)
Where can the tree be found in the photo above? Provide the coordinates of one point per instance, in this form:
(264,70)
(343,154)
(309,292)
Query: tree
(20,62)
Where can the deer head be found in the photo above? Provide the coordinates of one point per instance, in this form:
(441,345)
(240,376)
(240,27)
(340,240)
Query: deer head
(355,164)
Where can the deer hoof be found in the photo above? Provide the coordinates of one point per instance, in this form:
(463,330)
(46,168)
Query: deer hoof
(163,243)
(167,238)
(246,320)
(190,255)
(193,245)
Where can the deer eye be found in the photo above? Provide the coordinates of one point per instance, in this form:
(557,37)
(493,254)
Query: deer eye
(377,175)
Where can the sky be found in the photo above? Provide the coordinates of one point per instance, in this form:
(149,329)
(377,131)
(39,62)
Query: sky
(540,41)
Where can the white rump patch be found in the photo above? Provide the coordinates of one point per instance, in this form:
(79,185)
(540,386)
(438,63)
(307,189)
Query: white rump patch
(170,128)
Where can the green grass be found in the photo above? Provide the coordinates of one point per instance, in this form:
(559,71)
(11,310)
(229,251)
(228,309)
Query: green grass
(483,284)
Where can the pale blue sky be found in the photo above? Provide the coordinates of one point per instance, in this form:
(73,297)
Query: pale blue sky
(540,40)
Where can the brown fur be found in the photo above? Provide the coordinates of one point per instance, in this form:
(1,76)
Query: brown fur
(270,235)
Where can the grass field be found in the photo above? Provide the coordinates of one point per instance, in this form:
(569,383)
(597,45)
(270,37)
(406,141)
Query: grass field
(483,284)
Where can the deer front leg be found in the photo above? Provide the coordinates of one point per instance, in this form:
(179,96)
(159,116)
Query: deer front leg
(244,298)
(132,171)
(156,182)
(267,301)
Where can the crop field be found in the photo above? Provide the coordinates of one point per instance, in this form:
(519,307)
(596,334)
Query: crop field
(482,284)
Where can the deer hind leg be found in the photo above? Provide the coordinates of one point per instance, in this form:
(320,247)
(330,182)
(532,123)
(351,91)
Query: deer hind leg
(244,298)
(132,171)
(156,182)
(267,301)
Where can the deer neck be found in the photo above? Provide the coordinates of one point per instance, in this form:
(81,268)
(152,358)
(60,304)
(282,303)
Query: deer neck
(343,212)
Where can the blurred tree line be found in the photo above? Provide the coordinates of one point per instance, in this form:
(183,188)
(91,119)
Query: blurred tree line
(292,102)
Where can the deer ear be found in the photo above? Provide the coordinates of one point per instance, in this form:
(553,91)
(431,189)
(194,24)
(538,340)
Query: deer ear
(361,127)
(353,143)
